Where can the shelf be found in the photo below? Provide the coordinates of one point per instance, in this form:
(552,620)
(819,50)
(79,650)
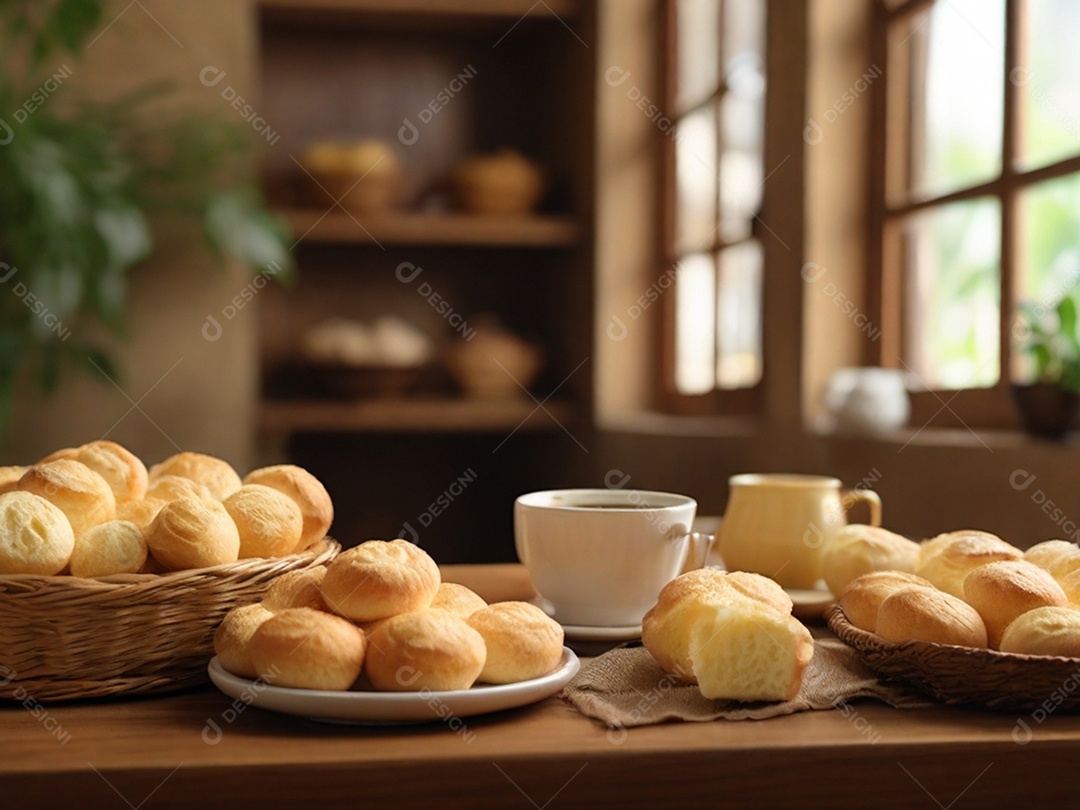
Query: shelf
(412,416)
(512,9)
(338,227)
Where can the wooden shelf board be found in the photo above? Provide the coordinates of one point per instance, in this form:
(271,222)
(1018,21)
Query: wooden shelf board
(441,8)
(412,415)
(314,226)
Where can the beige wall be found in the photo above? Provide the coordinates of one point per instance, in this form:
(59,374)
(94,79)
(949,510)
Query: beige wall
(191,393)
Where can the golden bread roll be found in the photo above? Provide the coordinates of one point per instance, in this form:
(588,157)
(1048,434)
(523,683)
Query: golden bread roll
(114,547)
(295,589)
(232,639)
(856,549)
(1065,563)
(175,487)
(69,453)
(80,493)
(269,522)
(308,492)
(863,596)
(926,614)
(9,478)
(379,579)
(426,649)
(522,641)
(216,474)
(683,598)
(123,471)
(193,533)
(948,558)
(1049,552)
(1001,591)
(457,599)
(1070,584)
(708,630)
(35,536)
(308,649)
(141,512)
(1044,631)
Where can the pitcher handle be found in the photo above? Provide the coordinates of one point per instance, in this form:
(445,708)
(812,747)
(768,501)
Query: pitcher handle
(850,497)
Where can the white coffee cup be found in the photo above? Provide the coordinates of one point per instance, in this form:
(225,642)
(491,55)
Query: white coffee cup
(599,557)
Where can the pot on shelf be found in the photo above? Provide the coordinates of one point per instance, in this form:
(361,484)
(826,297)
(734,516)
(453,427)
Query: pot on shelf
(1046,409)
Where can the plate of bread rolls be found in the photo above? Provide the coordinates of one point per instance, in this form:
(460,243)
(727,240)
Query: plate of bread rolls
(114,576)
(375,636)
(969,618)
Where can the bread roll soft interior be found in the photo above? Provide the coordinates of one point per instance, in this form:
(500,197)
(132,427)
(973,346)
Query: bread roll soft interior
(193,533)
(114,547)
(35,536)
(426,649)
(522,641)
(735,646)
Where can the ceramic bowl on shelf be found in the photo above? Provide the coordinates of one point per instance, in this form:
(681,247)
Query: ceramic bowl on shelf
(365,176)
(494,363)
(505,183)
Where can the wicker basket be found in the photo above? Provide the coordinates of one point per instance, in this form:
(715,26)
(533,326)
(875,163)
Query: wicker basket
(63,638)
(968,676)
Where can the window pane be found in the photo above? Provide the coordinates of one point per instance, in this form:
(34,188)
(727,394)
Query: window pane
(958,99)
(696,180)
(1050,254)
(952,295)
(1049,82)
(697,30)
(695,325)
(738,322)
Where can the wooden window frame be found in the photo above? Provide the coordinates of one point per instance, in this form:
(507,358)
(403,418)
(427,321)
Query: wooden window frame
(972,407)
(735,401)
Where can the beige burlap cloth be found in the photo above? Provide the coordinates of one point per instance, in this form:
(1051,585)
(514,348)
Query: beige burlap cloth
(625,687)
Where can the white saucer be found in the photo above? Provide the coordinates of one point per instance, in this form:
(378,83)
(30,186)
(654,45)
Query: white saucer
(810,603)
(585,632)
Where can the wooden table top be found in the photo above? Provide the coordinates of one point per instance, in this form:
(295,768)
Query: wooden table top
(157,753)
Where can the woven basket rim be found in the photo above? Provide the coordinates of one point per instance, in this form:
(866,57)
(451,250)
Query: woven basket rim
(866,640)
(114,581)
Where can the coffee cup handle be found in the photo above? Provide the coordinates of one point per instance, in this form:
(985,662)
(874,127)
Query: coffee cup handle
(869,497)
(697,552)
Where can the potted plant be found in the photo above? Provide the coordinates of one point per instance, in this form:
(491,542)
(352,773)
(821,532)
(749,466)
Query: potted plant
(1048,405)
(78,185)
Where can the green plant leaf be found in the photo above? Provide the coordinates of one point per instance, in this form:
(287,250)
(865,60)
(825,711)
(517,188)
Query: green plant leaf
(73,20)
(1066,312)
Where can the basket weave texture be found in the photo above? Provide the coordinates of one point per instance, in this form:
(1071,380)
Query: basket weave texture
(968,676)
(65,638)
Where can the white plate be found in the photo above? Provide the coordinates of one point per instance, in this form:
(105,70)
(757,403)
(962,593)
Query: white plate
(810,603)
(394,707)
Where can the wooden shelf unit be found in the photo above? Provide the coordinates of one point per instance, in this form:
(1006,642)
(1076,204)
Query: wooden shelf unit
(341,227)
(435,415)
(319,10)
